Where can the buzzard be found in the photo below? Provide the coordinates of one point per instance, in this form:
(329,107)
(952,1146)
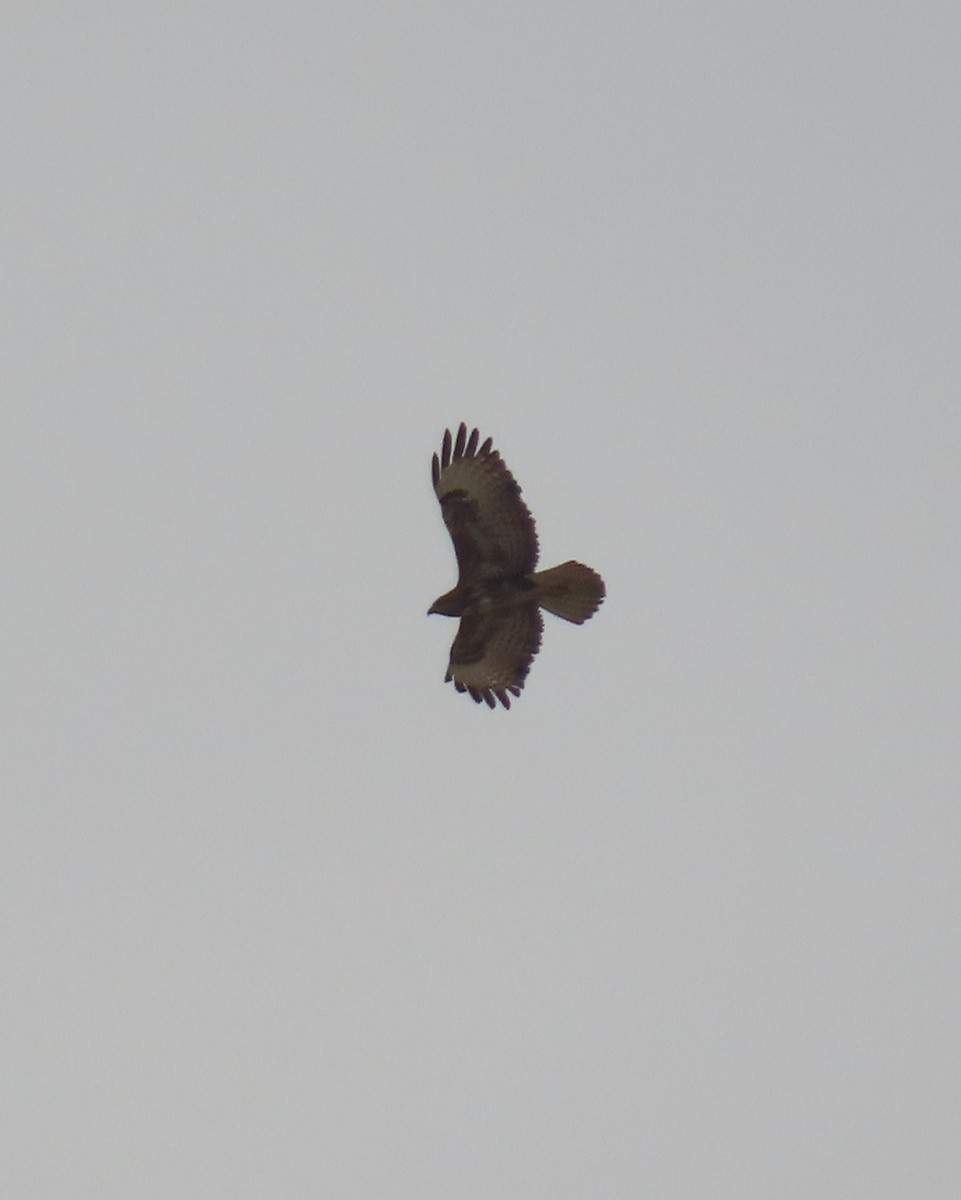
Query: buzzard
(499,595)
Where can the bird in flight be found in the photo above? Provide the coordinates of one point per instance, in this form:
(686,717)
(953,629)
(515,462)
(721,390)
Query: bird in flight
(499,594)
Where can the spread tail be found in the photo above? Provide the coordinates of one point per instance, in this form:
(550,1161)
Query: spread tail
(571,591)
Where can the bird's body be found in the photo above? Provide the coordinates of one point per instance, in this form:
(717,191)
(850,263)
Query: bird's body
(499,594)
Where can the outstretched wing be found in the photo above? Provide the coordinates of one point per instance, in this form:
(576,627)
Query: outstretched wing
(489,524)
(493,651)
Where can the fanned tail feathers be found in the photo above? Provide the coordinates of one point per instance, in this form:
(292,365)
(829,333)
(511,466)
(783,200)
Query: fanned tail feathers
(571,591)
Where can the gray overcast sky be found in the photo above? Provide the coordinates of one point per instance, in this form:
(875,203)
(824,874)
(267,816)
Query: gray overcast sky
(283,915)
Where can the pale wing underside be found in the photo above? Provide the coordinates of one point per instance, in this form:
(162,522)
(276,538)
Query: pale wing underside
(489,524)
(493,651)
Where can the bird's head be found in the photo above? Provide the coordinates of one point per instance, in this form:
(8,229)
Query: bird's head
(451,604)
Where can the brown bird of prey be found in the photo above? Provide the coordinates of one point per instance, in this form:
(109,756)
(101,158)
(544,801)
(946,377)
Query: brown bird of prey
(499,595)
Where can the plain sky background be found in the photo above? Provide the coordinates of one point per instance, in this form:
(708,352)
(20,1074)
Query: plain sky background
(282,914)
